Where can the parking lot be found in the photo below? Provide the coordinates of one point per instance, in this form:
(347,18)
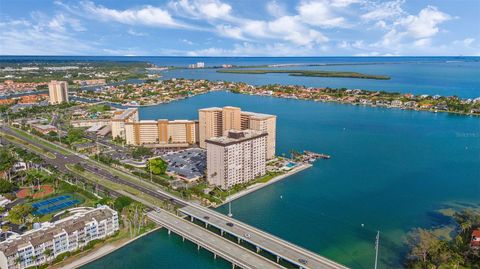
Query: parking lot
(189,164)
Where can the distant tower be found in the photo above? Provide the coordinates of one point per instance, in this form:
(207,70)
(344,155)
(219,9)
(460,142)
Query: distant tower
(57,92)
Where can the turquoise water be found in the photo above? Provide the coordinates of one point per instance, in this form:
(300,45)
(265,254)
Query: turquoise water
(390,170)
(419,75)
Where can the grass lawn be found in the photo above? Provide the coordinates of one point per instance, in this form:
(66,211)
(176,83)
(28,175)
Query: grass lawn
(32,147)
(41,141)
(114,186)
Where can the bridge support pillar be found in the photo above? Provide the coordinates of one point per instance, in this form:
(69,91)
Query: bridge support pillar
(221,232)
(258,249)
(183,239)
(206,225)
(214,256)
(191,218)
(169,231)
(278,259)
(233,266)
(239,240)
(198,247)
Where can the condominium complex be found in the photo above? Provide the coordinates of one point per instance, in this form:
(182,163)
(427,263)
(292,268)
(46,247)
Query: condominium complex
(120,118)
(236,158)
(57,92)
(38,246)
(215,122)
(161,132)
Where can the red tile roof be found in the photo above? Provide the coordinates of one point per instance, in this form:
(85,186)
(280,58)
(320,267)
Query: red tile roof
(476,233)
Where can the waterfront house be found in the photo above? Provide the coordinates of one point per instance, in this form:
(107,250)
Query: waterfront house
(475,239)
(397,103)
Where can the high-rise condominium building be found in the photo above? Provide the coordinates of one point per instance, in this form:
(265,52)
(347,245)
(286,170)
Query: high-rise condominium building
(161,132)
(44,244)
(57,92)
(236,158)
(215,122)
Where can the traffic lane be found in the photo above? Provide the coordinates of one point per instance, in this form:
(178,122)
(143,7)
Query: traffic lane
(116,179)
(62,160)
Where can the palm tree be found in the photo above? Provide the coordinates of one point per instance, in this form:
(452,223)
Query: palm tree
(47,252)
(7,161)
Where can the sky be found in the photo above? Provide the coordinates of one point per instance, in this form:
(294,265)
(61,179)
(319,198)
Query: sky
(240,27)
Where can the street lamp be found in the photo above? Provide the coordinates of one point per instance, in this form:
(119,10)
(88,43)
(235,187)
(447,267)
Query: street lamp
(229,205)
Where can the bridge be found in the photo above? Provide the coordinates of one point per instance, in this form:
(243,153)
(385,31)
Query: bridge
(228,250)
(259,239)
(237,254)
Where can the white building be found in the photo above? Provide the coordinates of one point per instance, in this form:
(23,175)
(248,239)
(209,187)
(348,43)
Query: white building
(68,234)
(236,158)
(57,92)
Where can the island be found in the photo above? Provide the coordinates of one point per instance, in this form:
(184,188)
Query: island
(306,73)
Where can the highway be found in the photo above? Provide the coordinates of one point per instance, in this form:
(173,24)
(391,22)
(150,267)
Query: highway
(218,245)
(277,246)
(283,249)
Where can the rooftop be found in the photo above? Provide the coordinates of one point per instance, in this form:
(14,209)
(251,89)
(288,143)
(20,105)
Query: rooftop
(235,136)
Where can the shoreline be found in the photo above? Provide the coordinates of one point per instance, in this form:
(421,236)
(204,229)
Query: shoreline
(258,186)
(99,253)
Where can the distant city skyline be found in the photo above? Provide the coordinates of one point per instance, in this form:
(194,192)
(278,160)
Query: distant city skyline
(240,28)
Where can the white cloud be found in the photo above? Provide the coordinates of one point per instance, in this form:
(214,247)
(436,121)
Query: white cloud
(465,42)
(424,42)
(250,49)
(198,9)
(275,9)
(147,15)
(320,13)
(132,32)
(385,10)
(41,36)
(425,24)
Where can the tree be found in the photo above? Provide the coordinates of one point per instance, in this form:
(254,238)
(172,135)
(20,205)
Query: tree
(19,213)
(7,161)
(421,242)
(157,166)
(140,152)
(73,135)
(135,217)
(6,186)
(48,253)
(121,202)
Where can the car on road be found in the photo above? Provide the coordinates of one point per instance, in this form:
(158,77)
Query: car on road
(229,224)
(206,217)
(247,235)
(303,261)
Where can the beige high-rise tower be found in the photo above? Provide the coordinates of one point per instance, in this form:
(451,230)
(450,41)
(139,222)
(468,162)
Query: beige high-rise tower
(216,122)
(209,124)
(230,119)
(57,92)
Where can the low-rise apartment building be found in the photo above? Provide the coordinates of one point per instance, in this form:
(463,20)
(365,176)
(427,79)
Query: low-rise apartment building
(162,131)
(236,158)
(43,244)
(120,118)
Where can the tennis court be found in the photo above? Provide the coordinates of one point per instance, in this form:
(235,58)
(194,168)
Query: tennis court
(54,204)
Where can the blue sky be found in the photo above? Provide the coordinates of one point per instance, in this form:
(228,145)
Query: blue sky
(240,28)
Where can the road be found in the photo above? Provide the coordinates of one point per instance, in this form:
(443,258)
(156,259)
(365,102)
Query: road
(288,251)
(61,161)
(214,243)
(277,246)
